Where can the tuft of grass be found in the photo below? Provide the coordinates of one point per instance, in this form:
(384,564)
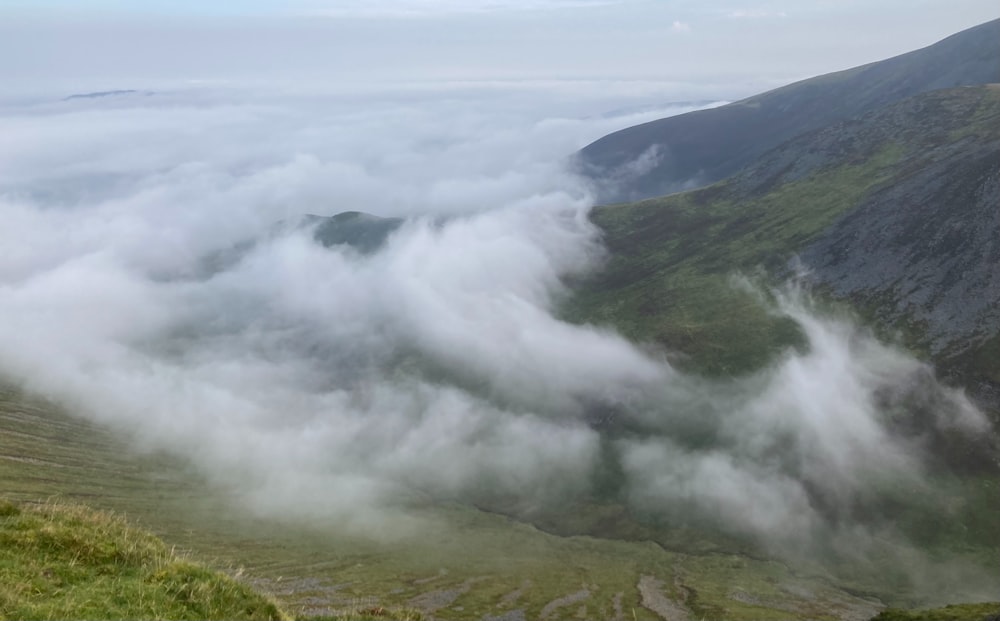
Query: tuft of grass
(369,613)
(72,562)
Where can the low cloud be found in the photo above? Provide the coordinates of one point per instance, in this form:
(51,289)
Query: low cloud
(406,9)
(351,386)
(754,14)
(299,365)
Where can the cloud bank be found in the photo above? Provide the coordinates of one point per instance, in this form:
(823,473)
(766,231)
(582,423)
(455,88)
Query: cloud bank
(352,386)
(366,371)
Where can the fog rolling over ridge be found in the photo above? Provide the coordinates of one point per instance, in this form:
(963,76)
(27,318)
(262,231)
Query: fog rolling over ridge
(348,387)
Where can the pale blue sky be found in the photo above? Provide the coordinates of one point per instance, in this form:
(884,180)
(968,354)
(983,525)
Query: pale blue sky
(729,48)
(175,7)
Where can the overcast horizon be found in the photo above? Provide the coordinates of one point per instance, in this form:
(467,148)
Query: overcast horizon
(678,50)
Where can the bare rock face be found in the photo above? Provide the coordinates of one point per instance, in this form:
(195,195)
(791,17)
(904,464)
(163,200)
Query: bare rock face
(921,253)
(927,248)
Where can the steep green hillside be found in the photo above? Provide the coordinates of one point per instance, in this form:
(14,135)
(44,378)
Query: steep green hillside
(699,148)
(672,260)
(363,232)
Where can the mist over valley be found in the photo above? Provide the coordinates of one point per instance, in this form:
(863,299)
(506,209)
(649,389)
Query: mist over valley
(391,325)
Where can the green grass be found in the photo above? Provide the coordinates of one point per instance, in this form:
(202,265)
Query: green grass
(668,279)
(985,119)
(956,612)
(71,562)
(672,262)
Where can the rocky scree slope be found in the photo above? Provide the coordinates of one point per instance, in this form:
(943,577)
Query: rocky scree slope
(923,253)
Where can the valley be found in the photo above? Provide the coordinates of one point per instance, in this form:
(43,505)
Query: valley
(735,364)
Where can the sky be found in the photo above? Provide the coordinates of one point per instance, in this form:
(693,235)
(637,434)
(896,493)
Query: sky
(153,279)
(703,49)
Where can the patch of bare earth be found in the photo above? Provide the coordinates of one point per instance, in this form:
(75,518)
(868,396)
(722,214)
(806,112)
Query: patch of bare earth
(441,598)
(567,600)
(509,599)
(653,599)
(616,603)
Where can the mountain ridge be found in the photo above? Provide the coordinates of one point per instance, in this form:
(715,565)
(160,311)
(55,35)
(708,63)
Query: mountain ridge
(812,200)
(698,148)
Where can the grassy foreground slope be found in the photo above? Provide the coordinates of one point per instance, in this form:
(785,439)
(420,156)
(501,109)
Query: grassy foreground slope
(465,564)
(71,562)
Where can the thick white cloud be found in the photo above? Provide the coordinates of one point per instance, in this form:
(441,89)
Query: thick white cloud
(340,385)
(296,366)
(436,8)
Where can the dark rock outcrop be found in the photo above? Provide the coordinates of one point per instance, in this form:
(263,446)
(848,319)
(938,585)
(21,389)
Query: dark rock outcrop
(363,232)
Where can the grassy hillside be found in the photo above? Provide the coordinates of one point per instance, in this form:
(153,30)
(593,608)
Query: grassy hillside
(893,212)
(71,562)
(669,276)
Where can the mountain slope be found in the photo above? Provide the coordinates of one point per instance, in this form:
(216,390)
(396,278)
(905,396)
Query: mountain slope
(698,148)
(895,211)
(361,231)
(925,251)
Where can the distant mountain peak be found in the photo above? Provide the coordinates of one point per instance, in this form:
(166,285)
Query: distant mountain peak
(102,94)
